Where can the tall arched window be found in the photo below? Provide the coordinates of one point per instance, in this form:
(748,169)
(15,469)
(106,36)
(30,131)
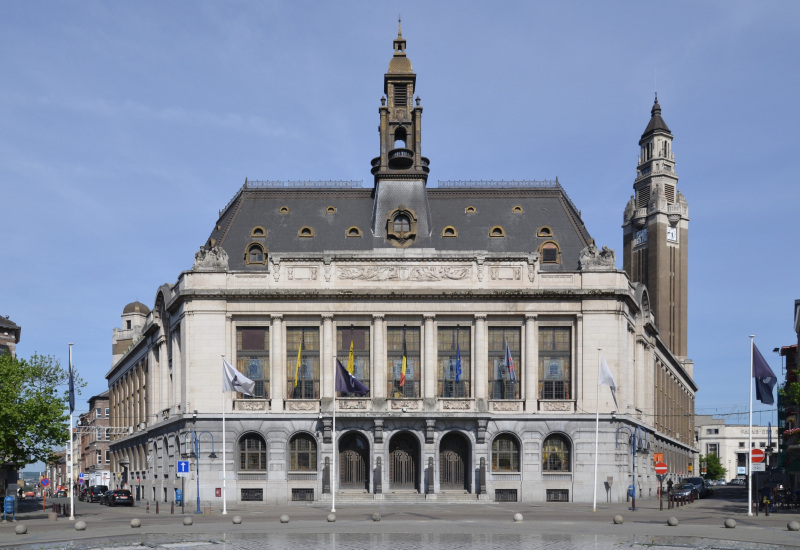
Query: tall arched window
(252,453)
(303,453)
(555,454)
(505,454)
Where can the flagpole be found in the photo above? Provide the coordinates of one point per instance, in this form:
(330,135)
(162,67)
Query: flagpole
(224,457)
(596,430)
(71,446)
(750,439)
(333,470)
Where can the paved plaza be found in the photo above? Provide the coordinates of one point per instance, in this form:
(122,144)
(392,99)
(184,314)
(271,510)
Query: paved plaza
(487,526)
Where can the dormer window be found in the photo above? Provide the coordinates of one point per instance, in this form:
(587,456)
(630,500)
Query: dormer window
(284,210)
(470,210)
(497,231)
(449,231)
(550,253)
(353,231)
(401,226)
(517,209)
(401,223)
(305,232)
(544,231)
(330,210)
(255,254)
(258,232)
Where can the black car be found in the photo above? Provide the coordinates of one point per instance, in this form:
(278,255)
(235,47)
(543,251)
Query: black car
(119,497)
(685,490)
(700,484)
(95,492)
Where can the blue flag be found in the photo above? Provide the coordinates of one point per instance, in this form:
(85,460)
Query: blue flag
(512,372)
(346,382)
(458,363)
(765,378)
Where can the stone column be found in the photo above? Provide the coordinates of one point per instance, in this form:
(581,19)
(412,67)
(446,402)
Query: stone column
(429,357)
(531,374)
(326,357)
(378,382)
(277,364)
(480,374)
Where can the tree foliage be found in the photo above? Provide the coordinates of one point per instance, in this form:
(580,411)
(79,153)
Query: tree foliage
(34,408)
(714,469)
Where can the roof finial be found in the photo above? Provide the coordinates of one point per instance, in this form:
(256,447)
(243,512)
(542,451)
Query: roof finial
(399,26)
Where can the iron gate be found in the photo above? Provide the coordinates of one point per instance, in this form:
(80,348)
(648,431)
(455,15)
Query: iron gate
(453,457)
(353,460)
(403,462)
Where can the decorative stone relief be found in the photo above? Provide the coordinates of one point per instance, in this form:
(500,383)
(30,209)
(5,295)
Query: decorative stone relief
(504,273)
(165,414)
(349,404)
(593,259)
(251,405)
(479,260)
(557,406)
(393,273)
(301,405)
(456,405)
(398,405)
(506,406)
(210,259)
(302,273)
(276,268)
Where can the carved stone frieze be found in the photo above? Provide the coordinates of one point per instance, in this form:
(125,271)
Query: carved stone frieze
(394,273)
(210,259)
(307,273)
(301,405)
(592,259)
(251,405)
(557,406)
(456,405)
(506,406)
(350,404)
(400,404)
(504,273)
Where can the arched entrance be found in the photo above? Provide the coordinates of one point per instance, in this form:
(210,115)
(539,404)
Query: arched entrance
(403,462)
(453,463)
(353,462)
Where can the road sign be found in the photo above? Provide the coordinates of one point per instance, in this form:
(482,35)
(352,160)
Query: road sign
(45,482)
(661,468)
(758,467)
(756,455)
(183,468)
(81,475)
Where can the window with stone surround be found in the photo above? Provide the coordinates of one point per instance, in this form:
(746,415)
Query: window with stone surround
(355,339)
(302,362)
(303,453)
(505,376)
(403,342)
(555,362)
(453,365)
(252,358)
(556,454)
(252,453)
(505,454)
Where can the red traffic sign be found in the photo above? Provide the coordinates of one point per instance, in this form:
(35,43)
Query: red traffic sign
(756,455)
(45,482)
(661,468)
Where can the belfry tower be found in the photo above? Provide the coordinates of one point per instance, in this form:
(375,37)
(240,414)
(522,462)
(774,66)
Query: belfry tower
(656,233)
(400,209)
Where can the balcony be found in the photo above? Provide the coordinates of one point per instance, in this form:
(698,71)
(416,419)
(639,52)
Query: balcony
(401,159)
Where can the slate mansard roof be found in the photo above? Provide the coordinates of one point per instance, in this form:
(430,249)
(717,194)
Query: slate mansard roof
(521,209)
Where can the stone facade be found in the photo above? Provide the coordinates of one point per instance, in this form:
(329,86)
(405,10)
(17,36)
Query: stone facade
(434,290)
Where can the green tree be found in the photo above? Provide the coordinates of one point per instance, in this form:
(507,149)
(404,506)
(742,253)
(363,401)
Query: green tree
(34,408)
(714,469)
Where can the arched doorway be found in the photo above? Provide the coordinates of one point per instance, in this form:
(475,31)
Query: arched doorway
(403,462)
(453,463)
(353,462)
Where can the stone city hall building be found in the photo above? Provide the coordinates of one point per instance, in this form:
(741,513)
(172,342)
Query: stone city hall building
(493,293)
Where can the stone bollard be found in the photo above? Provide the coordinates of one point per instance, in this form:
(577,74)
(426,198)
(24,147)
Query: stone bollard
(52,516)
(284,518)
(80,526)
(20,529)
(793,526)
(517,517)
(237,520)
(730,523)
(618,519)
(188,520)
(672,521)
(376,516)
(206,510)
(136,522)
(331,518)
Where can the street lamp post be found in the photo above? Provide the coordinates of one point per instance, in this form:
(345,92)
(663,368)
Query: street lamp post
(196,449)
(635,438)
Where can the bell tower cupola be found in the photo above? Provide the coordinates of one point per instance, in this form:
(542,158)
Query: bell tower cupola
(401,121)
(656,233)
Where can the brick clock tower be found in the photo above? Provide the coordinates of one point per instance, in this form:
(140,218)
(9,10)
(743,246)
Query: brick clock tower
(656,233)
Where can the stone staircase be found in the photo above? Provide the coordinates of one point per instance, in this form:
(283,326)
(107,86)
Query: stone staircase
(403,497)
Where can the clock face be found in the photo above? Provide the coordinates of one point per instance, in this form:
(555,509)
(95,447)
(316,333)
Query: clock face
(672,234)
(640,237)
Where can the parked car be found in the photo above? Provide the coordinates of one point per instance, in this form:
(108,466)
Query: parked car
(105,498)
(685,490)
(96,492)
(61,493)
(703,490)
(119,497)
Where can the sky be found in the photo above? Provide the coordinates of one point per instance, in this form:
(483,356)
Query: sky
(126,126)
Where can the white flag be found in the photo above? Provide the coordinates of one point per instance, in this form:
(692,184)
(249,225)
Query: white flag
(606,379)
(233,380)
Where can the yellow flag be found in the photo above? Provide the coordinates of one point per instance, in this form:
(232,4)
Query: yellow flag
(351,360)
(297,366)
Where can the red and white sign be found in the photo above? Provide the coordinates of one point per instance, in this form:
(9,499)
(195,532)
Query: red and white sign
(661,468)
(756,455)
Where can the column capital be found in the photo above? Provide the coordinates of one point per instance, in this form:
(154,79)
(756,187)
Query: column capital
(429,316)
(327,316)
(531,316)
(378,316)
(276,316)
(480,316)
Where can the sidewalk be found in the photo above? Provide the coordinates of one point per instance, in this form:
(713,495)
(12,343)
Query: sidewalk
(701,524)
